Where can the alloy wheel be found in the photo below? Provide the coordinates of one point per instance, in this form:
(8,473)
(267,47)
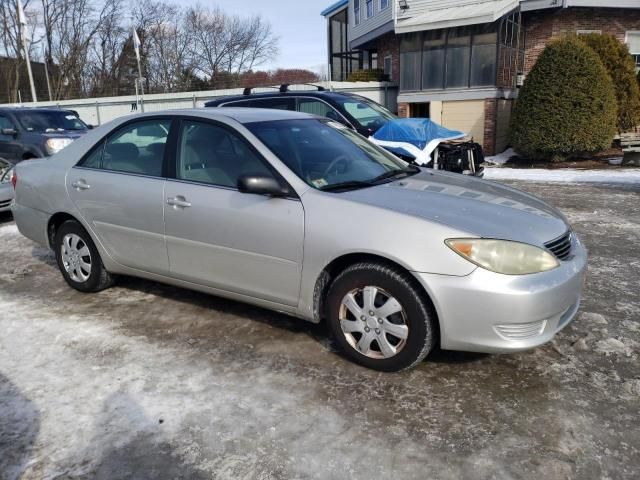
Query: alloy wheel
(373,322)
(76,257)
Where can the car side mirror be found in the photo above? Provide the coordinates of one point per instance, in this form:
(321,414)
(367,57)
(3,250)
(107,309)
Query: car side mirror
(262,185)
(90,127)
(9,131)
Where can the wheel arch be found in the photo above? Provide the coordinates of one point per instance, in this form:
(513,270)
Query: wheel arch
(54,223)
(339,264)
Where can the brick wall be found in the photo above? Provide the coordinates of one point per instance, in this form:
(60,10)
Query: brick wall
(544,25)
(389,45)
(403,110)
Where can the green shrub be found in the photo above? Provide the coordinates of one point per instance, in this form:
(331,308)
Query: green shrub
(373,75)
(567,104)
(619,63)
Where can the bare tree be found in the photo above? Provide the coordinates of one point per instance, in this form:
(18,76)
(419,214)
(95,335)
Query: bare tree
(230,44)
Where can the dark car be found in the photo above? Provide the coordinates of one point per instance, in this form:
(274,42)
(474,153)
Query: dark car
(357,112)
(37,132)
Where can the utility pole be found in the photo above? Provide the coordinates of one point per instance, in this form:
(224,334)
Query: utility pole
(23,37)
(136,47)
(46,74)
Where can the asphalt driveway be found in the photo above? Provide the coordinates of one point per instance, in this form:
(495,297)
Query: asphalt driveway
(149,381)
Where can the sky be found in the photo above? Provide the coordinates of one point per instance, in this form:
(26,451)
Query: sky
(298,24)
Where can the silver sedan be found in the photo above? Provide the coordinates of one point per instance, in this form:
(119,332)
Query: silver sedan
(6,190)
(298,214)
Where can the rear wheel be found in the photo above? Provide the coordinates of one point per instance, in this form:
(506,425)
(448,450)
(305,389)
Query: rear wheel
(379,318)
(79,260)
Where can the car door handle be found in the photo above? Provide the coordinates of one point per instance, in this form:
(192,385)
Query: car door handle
(179,202)
(81,185)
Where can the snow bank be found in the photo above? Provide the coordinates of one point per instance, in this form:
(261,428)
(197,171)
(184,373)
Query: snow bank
(501,158)
(626,176)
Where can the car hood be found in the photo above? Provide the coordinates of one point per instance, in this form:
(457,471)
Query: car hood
(72,134)
(479,207)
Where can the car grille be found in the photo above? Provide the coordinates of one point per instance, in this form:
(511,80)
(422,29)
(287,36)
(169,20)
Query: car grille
(5,203)
(561,246)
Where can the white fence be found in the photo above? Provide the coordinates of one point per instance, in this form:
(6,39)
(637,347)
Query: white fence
(100,110)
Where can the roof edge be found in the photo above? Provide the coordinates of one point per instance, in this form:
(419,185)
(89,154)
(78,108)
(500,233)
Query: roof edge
(334,7)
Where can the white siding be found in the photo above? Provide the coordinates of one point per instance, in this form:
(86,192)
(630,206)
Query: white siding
(366,25)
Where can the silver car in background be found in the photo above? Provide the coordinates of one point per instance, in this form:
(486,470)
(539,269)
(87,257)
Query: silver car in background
(301,215)
(6,189)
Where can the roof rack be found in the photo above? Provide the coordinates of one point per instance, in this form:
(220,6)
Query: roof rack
(247,90)
(285,86)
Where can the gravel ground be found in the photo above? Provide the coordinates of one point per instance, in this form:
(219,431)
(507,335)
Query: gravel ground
(149,381)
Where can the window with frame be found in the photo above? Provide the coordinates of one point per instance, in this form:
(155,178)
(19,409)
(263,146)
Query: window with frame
(632,39)
(461,57)
(388,67)
(5,122)
(410,62)
(384,4)
(215,155)
(135,148)
(356,12)
(369,4)
(318,107)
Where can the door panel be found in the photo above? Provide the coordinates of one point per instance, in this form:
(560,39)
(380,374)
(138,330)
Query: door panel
(247,244)
(119,191)
(126,213)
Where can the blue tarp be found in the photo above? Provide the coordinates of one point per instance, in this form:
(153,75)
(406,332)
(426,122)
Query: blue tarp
(416,131)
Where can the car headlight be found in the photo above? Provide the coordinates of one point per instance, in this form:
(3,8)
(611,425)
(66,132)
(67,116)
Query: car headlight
(54,145)
(503,256)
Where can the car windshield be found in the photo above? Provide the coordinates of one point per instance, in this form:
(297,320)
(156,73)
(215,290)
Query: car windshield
(329,156)
(368,114)
(49,121)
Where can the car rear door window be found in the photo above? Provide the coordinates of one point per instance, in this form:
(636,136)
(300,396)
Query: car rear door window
(136,148)
(215,155)
(277,103)
(318,107)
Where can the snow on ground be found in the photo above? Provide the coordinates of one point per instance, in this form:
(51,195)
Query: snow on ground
(501,158)
(569,175)
(147,381)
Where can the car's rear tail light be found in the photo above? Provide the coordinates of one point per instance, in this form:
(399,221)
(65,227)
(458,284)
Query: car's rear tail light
(14,179)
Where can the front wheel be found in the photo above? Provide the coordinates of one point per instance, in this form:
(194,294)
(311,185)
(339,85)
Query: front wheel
(379,318)
(79,260)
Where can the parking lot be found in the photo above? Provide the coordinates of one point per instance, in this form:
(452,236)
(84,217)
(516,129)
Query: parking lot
(150,381)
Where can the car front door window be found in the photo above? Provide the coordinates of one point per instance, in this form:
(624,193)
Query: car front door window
(215,155)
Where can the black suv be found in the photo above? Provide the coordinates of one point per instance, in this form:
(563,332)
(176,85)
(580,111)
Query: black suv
(37,132)
(363,115)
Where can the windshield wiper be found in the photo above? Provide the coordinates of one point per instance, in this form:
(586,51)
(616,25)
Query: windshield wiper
(349,185)
(411,170)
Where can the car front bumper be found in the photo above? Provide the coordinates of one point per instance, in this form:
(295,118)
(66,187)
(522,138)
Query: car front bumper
(494,313)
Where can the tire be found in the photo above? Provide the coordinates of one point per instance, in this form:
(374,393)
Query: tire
(74,240)
(380,285)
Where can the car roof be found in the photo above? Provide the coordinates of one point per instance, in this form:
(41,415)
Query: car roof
(239,114)
(33,109)
(294,93)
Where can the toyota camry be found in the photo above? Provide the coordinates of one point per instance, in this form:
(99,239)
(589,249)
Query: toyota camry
(301,215)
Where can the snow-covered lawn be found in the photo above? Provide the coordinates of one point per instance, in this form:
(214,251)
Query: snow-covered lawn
(569,175)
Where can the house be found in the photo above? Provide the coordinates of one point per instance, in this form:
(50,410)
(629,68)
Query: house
(460,62)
